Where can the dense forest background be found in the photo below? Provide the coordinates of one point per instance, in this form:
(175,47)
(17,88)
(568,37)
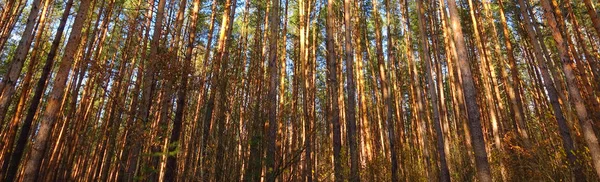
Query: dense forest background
(299,90)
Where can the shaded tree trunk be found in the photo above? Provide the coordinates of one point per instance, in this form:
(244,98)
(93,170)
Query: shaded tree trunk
(350,88)
(272,144)
(444,174)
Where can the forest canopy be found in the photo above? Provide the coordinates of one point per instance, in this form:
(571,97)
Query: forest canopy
(299,90)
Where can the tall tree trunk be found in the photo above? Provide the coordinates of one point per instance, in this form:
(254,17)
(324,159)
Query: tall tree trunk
(255,131)
(217,82)
(552,94)
(149,80)
(470,92)
(171,172)
(305,70)
(585,121)
(444,174)
(332,82)
(9,24)
(7,86)
(272,144)
(32,168)
(9,135)
(151,64)
(593,15)
(15,158)
(513,91)
(350,88)
(221,87)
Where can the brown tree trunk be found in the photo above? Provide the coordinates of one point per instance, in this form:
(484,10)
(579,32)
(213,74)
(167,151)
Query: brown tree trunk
(444,174)
(255,131)
(11,17)
(332,82)
(513,91)
(171,172)
(223,59)
(272,144)
(32,168)
(15,158)
(481,159)
(149,83)
(218,83)
(585,121)
(9,135)
(7,86)
(593,15)
(350,88)
(552,94)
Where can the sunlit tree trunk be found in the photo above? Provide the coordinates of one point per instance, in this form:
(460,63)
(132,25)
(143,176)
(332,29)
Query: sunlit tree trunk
(221,87)
(552,94)
(9,135)
(7,86)
(482,164)
(15,158)
(171,171)
(593,15)
(585,121)
(32,168)
(397,99)
(518,114)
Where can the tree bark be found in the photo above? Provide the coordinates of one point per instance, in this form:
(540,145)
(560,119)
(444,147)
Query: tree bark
(7,86)
(32,168)
(513,91)
(271,159)
(444,174)
(350,88)
(470,92)
(9,135)
(332,82)
(585,121)
(552,94)
(174,146)
(223,59)
(15,158)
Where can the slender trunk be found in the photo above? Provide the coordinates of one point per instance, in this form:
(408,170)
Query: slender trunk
(350,87)
(171,172)
(593,15)
(513,91)
(333,92)
(11,20)
(255,132)
(217,83)
(221,87)
(272,144)
(9,135)
(444,173)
